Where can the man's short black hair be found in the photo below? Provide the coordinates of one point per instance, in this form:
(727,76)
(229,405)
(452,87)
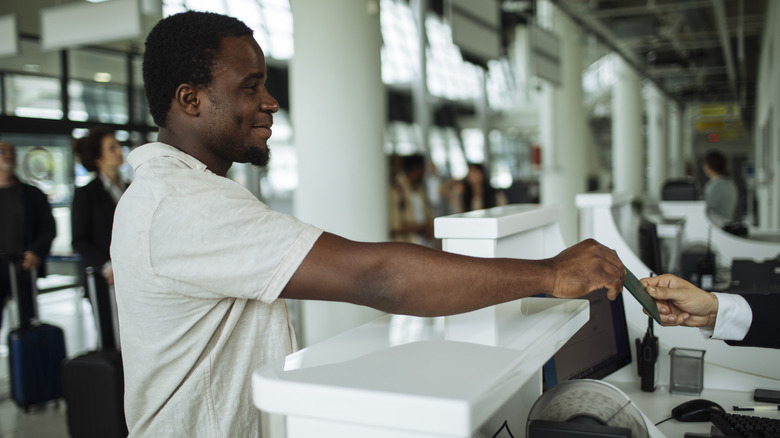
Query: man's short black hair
(181,49)
(717,162)
(411,162)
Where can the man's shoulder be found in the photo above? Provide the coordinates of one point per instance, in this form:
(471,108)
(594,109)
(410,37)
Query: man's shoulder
(163,155)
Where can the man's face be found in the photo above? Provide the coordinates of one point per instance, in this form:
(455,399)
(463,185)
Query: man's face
(239,111)
(7,157)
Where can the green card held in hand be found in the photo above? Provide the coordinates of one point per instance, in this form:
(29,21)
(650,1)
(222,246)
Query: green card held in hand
(640,293)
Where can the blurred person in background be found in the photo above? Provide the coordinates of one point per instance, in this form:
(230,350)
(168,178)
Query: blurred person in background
(411,218)
(92,214)
(27,229)
(720,192)
(473,192)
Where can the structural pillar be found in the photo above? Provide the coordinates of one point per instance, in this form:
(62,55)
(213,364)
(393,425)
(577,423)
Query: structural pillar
(627,155)
(656,142)
(338,113)
(563,133)
(674,161)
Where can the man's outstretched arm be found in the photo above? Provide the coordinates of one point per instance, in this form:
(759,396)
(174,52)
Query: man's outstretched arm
(411,279)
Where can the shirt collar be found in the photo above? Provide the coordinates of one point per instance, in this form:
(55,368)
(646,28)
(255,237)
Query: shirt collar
(150,151)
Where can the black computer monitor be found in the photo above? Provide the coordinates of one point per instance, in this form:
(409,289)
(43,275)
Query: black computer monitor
(599,348)
(650,246)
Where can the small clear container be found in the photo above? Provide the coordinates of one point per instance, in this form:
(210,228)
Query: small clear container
(687,371)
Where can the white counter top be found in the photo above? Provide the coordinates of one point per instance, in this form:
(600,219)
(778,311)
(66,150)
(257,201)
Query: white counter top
(404,379)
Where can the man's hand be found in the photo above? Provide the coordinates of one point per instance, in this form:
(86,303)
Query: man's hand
(681,303)
(586,267)
(30,260)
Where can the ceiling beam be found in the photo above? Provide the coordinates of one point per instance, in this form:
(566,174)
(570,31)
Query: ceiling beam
(585,20)
(723,32)
(644,10)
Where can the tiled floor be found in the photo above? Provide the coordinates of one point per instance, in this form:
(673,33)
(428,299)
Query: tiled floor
(68,310)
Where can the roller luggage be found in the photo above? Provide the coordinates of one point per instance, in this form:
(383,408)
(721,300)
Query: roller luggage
(94,390)
(93,383)
(35,352)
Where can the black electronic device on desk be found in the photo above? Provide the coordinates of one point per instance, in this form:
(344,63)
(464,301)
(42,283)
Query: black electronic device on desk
(647,358)
(752,276)
(737,425)
(696,410)
(599,348)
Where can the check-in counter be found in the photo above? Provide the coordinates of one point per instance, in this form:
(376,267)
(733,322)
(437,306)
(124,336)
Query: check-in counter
(402,376)
(699,229)
(726,368)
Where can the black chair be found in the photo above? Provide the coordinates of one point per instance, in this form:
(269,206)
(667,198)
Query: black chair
(679,190)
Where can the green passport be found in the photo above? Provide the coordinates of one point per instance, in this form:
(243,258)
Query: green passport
(640,293)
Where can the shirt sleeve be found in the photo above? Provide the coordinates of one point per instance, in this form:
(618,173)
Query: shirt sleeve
(733,320)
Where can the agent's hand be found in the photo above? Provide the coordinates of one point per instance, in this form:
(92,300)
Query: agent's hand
(681,303)
(30,260)
(587,267)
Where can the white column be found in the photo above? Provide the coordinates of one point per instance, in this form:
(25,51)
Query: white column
(674,161)
(627,156)
(656,142)
(688,157)
(564,137)
(338,116)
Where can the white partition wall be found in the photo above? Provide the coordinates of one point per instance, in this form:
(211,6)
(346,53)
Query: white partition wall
(726,367)
(699,229)
(401,376)
(525,231)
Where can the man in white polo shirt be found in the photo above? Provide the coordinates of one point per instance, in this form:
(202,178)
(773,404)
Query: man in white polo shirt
(200,264)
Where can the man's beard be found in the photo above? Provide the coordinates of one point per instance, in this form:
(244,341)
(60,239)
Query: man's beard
(258,156)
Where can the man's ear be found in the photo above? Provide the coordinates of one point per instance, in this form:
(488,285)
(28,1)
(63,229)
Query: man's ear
(187,99)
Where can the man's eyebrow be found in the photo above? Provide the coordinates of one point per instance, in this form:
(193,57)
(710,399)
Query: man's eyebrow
(258,75)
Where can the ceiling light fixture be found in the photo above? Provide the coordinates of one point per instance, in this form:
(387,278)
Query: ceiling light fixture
(102,77)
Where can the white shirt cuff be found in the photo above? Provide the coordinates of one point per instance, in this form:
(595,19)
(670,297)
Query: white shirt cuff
(733,320)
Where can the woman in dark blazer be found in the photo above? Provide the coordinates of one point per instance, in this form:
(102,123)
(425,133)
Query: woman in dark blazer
(92,215)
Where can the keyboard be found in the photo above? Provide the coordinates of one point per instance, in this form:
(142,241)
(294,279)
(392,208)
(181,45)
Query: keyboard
(736,425)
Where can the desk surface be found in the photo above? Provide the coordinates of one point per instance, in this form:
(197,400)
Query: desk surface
(657,406)
(375,378)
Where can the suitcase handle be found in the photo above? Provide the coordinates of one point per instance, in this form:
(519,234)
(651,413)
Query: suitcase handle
(12,269)
(92,293)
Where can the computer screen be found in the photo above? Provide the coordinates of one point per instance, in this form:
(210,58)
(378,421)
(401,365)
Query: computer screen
(650,246)
(599,348)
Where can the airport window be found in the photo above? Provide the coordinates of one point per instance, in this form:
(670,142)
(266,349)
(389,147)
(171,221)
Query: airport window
(401,139)
(33,96)
(97,86)
(446,142)
(500,85)
(271,20)
(141,106)
(449,76)
(400,48)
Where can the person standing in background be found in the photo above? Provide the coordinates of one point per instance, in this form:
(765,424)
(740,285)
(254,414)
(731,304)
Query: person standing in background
(473,192)
(92,215)
(720,192)
(27,229)
(411,219)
